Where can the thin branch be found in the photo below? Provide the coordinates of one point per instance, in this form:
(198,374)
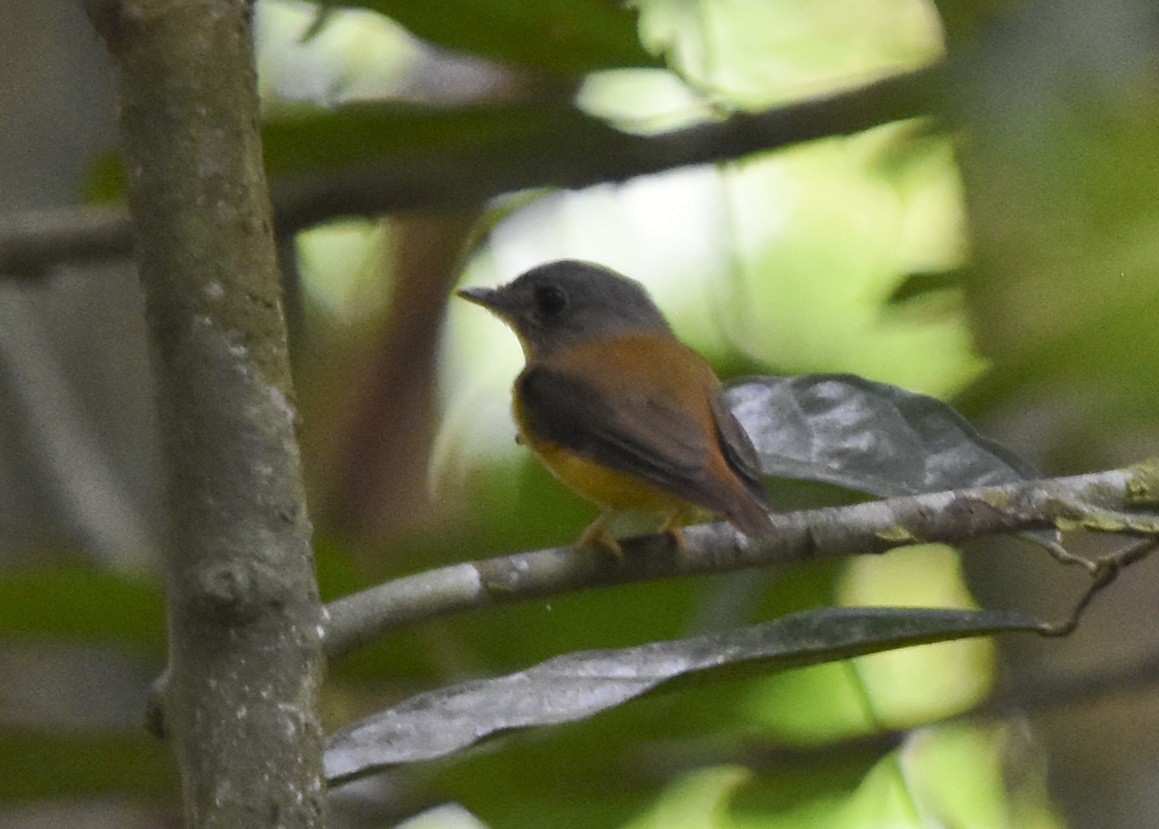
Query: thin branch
(1105,571)
(32,243)
(77,469)
(1100,502)
(571,151)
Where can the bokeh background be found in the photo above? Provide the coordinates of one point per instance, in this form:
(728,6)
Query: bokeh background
(1004,256)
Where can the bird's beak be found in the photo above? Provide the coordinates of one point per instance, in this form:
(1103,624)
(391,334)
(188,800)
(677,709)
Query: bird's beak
(487,297)
(499,302)
(495,300)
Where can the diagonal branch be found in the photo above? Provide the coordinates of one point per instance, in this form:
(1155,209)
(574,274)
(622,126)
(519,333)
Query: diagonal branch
(1111,502)
(571,150)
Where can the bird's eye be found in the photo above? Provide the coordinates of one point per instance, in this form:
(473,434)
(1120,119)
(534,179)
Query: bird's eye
(550,300)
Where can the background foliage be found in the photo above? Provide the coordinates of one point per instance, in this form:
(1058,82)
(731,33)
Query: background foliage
(1004,258)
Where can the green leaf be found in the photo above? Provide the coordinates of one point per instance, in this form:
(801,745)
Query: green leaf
(699,800)
(82,603)
(60,765)
(318,138)
(566,37)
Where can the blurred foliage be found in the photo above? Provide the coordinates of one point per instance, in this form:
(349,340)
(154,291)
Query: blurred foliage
(568,37)
(64,764)
(74,603)
(1041,319)
(1066,201)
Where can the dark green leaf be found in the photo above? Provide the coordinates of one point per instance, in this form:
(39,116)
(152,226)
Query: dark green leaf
(82,604)
(580,685)
(478,150)
(567,37)
(58,765)
(918,285)
(317,138)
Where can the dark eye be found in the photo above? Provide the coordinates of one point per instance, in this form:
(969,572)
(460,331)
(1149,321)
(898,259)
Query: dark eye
(550,300)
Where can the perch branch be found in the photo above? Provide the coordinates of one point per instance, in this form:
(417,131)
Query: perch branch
(1108,502)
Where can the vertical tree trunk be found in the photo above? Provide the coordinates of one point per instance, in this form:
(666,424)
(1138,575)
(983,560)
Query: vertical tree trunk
(244,615)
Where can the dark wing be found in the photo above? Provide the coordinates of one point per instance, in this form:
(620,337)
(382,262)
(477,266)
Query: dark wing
(738,447)
(631,430)
(747,511)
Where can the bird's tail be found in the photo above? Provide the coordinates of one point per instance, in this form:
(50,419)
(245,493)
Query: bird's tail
(750,516)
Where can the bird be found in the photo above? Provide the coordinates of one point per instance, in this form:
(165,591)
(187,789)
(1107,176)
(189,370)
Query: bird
(617,408)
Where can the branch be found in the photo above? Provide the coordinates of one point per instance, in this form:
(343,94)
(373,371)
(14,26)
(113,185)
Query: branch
(1100,502)
(570,151)
(575,151)
(32,243)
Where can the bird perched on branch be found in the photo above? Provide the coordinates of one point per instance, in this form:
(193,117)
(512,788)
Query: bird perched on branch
(618,409)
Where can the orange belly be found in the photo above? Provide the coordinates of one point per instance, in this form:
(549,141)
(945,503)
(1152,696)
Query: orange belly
(601,485)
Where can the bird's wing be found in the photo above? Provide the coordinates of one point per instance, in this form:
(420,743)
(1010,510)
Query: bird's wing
(629,429)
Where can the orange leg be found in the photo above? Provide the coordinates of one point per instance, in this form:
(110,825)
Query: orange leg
(673,528)
(594,536)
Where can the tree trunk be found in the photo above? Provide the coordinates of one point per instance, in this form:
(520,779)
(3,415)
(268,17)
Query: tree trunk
(244,616)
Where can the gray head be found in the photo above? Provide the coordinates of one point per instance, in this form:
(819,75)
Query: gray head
(567,302)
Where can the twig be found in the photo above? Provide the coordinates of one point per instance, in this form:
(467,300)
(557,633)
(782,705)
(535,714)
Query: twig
(1106,570)
(32,243)
(81,476)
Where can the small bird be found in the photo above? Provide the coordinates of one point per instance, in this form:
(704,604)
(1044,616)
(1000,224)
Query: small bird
(617,408)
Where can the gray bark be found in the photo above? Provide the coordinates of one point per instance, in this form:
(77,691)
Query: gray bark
(244,616)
